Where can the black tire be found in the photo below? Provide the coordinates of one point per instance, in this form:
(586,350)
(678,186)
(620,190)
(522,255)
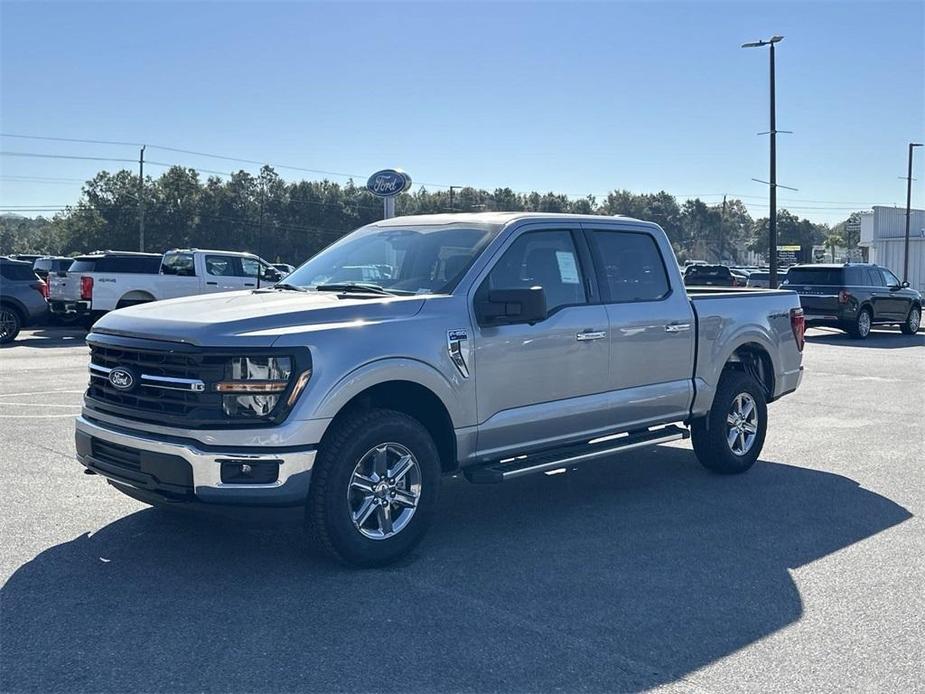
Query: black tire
(860,329)
(911,325)
(328,511)
(710,434)
(10,324)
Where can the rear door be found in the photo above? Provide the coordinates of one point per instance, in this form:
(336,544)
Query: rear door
(541,384)
(651,327)
(178,276)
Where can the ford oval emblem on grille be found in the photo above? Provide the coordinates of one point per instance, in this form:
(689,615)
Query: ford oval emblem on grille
(121,379)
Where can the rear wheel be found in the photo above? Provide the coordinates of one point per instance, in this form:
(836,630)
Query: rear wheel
(913,321)
(729,439)
(374,488)
(860,329)
(10,324)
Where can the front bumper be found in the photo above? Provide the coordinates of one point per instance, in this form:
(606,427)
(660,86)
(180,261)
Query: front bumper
(181,471)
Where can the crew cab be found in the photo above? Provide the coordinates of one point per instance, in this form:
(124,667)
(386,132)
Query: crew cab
(101,282)
(854,297)
(491,345)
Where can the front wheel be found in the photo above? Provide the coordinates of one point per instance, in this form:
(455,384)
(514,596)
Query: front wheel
(729,439)
(912,322)
(374,488)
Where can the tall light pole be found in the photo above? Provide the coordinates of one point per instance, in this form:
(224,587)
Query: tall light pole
(141,200)
(772,219)
(908,212)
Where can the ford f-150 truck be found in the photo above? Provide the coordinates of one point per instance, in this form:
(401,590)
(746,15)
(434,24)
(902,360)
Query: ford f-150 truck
(491,345)
(101,282)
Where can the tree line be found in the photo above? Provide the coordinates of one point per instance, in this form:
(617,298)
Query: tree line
(290,221)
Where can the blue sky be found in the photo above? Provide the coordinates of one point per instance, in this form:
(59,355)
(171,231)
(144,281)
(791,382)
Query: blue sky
(569,97)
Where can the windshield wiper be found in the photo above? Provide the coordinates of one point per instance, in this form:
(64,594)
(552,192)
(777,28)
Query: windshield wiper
(288,287)
(356,288)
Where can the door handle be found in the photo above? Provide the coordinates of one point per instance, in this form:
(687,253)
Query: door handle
(677,327)
(212,283)
(251,284)
(589,335)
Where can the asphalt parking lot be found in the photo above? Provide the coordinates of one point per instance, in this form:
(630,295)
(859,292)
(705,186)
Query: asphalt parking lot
(806,574)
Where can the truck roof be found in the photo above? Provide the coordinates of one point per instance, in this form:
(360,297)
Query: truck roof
(493,218)
(210,250)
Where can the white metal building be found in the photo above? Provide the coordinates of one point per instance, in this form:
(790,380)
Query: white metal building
(883,236)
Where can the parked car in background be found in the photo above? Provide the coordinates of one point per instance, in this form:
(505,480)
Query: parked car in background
(284,268)
(759,279)
(50,263)
(711,276)
(102,282)
(25,257)
(854,297)
(22,298)
(495,345)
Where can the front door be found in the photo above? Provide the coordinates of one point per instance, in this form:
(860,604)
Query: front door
(539,385)
(651,328)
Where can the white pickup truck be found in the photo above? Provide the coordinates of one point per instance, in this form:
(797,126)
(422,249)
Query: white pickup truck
(101,282)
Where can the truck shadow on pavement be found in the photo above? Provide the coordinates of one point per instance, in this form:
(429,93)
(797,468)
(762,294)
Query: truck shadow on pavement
(878,339)
(613,577)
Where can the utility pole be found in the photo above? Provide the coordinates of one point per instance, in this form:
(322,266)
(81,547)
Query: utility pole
(772,203)
(908,212)
(452,208)
(722,235)
(141,199)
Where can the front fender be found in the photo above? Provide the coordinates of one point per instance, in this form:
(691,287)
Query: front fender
(387,370)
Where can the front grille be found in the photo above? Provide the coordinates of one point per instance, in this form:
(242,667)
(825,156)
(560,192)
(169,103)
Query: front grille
(173,382)
(154,402)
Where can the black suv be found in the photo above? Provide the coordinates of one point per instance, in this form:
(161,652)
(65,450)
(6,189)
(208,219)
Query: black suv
(711,276)
(854,297)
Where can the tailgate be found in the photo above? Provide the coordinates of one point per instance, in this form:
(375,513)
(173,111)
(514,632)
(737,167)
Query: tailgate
(64,286)
(817,300)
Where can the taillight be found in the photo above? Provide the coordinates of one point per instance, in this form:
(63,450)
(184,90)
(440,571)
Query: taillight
(844,296)
(798,326)
(42,288)
(86,288)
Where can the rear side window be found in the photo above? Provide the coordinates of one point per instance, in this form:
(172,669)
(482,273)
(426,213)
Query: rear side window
(874,278)
(131,264)
(856,277)
(180,264)
(83,265)
(16,272)
(632,266)
(812,275)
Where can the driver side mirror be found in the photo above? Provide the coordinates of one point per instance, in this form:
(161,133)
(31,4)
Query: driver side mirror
(904,285)
(271,274)
(511,306)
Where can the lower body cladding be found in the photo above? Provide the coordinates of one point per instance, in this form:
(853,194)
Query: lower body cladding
(177,471)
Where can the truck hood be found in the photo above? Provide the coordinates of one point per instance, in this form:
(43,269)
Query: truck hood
(251,318)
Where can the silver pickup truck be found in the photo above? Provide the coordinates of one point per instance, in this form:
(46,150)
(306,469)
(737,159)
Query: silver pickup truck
(491,345)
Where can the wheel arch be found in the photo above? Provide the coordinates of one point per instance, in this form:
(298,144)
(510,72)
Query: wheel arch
(413,399)
(754,359)
(133,297)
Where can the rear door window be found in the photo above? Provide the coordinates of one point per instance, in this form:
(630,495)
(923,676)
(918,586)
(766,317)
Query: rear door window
(180,264)
(632,266)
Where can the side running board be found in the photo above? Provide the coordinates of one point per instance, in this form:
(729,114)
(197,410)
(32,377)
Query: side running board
(498,471)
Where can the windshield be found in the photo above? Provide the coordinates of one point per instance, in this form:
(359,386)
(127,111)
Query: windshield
(412,260)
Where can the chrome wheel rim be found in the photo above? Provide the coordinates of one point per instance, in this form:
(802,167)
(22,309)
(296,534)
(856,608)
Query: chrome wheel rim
(915,317)
(864,323)
(742,424)
(7,323)
(384,491)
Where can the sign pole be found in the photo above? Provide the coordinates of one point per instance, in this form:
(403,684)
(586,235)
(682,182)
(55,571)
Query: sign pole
(388,207)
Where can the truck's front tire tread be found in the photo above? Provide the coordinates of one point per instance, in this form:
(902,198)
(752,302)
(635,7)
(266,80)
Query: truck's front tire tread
(327,514)
(708,434)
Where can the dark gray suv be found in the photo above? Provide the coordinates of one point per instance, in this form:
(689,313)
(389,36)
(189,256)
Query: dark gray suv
(22,298)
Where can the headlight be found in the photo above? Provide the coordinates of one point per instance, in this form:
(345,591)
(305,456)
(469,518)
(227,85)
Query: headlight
(254,386)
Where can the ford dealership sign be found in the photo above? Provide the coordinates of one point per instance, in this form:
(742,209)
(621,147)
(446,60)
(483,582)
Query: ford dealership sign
(388,182)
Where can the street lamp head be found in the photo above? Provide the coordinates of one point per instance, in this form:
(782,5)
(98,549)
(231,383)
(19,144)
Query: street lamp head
(776,39)
(753,44)
(916,144)
(758,44)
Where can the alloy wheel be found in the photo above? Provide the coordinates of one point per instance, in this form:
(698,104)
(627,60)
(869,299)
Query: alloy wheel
(384,491)
(7,323)
(742,424)
(864,324)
